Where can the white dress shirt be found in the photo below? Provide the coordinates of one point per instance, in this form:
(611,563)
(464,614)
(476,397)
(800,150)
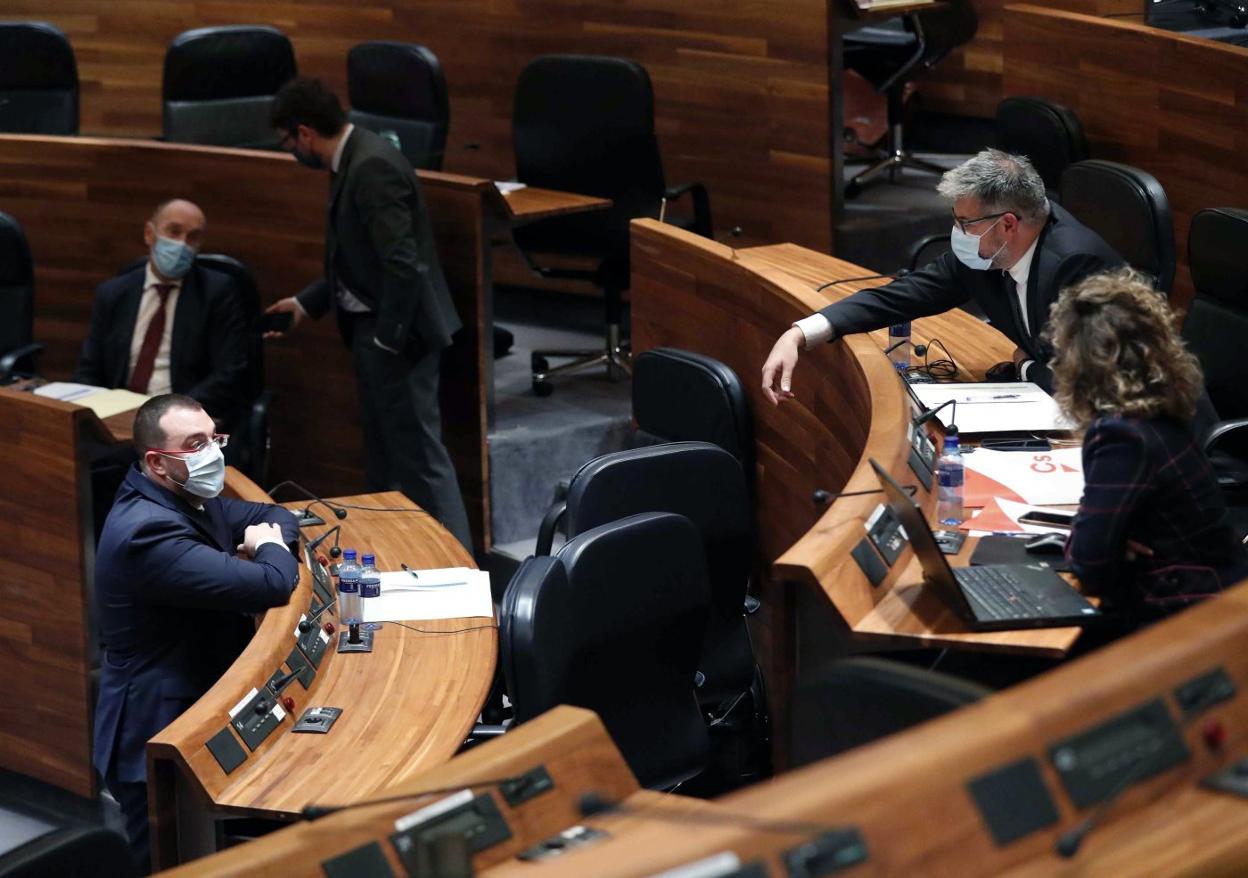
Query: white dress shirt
(162,381)
(817,329)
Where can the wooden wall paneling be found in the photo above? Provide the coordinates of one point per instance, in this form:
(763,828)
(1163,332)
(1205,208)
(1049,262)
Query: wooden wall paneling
(741,89)
(1173,105)
(46,559)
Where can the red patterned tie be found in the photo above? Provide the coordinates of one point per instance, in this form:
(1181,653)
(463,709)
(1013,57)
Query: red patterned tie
(142,374)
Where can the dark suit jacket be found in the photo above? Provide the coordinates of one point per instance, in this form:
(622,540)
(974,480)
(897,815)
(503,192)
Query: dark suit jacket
(379,243)
(208,348)
(1066,253)
(172,598)
(1148,480)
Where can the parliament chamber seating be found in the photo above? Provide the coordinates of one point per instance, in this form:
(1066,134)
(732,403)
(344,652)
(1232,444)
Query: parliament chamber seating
(399,88)
(38,81)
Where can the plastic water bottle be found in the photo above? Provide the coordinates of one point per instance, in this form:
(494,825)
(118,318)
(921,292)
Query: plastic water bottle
(370,587)
(900,353)
(949,473)
(349,589)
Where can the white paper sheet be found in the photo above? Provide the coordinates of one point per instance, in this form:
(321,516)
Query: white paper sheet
(66,391)
(1044,478)
(508,186)
(995,408)
(444,593)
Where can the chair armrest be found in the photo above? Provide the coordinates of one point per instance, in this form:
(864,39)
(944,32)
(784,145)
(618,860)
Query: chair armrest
(701,206)
(550,523)
(8,364)
(1222,430)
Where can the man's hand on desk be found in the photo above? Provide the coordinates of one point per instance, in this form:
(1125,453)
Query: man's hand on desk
(284,306)
(257,535)
(778,370)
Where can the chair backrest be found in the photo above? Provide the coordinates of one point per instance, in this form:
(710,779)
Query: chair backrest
(1046,132)
(399,87)
(95,851)
(38,80)
(1129,209)
(17,286)
(585,123)
(219,84)
(249,294)
(683,396)
(705,484)
(943,28)
(614,623)
(1217,317)
(856,701)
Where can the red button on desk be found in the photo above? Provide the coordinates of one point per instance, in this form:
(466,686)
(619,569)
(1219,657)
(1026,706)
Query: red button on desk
(1214,733)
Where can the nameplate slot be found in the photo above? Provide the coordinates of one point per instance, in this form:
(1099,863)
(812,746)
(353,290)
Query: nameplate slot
(479,822)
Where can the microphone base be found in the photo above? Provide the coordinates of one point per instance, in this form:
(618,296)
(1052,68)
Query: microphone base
(365,644)
(309,519)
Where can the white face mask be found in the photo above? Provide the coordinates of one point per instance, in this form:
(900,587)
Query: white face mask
(966,247)
(205,472)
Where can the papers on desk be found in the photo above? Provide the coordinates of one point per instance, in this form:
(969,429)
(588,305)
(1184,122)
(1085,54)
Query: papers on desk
(104,402)
(1000,516)
(995,408)
(1045,478)
(508,186)
(444,593)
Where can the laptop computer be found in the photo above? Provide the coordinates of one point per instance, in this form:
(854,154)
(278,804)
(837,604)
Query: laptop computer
(996,597)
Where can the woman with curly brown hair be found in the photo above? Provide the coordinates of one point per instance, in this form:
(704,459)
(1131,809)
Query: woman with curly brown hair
(1152,533)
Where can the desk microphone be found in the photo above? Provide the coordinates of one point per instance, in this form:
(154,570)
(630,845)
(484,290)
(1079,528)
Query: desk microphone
(340,511)
(316,812)
(306,625)
(823,498)
(900,273)
(919,349)
(734,232)
(931,413)
(335,550)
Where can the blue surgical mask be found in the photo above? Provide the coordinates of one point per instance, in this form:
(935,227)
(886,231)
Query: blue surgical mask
(966,248)
(308,159)
(173,259)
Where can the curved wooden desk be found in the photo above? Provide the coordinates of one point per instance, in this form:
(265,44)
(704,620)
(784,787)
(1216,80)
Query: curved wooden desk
(692,293)
(909,796)
(407,706)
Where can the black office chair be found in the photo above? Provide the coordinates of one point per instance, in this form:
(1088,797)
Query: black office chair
(585,124)
(249,444)
(1046,132)
(38,80)
(614,623)
(855,701)
(93,851)
(1128,208)
(398,90)
(219,84)
(895,53)
(19,355)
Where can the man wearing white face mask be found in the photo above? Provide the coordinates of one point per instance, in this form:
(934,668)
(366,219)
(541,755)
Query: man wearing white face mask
(178,571)
(1013,252)
(170,325)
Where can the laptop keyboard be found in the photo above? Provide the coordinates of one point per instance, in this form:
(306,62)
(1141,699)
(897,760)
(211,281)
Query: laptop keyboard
(997,593)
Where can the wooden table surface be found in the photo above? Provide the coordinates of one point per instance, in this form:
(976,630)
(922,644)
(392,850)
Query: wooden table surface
(530,203)
(407,705)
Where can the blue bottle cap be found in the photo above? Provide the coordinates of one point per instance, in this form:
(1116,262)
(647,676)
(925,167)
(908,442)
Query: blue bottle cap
(348,554)
(370,560)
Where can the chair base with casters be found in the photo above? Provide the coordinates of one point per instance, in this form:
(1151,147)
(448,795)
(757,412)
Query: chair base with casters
(616,356)
(896,157)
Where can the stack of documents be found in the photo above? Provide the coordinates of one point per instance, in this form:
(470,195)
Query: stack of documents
(994,408)
(444,593)
(104,402)
(1042,478)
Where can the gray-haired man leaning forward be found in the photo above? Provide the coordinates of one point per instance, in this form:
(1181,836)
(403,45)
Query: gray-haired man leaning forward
(1012,252)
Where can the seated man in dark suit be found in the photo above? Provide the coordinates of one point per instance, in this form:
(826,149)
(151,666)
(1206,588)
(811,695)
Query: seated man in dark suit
(1012,253)
(172,592)
(170,325)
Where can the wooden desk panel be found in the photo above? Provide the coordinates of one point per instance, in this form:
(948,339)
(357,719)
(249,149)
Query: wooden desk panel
(1170,104)
(571,743)
(407,705)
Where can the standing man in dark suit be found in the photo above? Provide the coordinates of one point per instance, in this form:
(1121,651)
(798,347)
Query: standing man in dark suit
(172,594)
(1012,252)
(383,279)
(170,325)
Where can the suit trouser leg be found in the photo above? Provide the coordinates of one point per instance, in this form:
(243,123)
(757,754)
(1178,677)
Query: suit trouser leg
(132,797)
(400,397)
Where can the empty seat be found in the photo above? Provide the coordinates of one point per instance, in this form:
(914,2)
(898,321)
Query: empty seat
(399,89)
(38,80)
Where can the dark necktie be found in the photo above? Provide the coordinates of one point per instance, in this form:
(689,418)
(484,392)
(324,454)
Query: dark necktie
(143,366)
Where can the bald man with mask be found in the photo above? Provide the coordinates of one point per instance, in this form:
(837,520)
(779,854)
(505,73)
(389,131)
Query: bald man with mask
(178,573)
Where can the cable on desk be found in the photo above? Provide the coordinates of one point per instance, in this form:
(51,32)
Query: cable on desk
(944,368)
(452,631)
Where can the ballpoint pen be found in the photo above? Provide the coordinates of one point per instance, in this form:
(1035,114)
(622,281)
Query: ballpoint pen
(415,575)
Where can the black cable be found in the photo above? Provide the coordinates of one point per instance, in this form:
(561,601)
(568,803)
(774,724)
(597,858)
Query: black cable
(944,368)
(849,280)
(452,631)
(335,505)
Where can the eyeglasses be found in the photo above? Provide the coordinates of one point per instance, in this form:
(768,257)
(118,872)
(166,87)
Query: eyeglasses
(219,439)
(962,224)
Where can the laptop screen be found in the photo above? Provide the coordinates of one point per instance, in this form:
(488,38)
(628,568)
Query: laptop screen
(931,559)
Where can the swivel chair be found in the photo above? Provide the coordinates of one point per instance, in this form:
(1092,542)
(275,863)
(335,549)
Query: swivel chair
(398,88)
(219,84)
(18,353)
(891,55)
(1128,208)
(855,701)
(38,80)
(94,851)
(614,623)
(585,124)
